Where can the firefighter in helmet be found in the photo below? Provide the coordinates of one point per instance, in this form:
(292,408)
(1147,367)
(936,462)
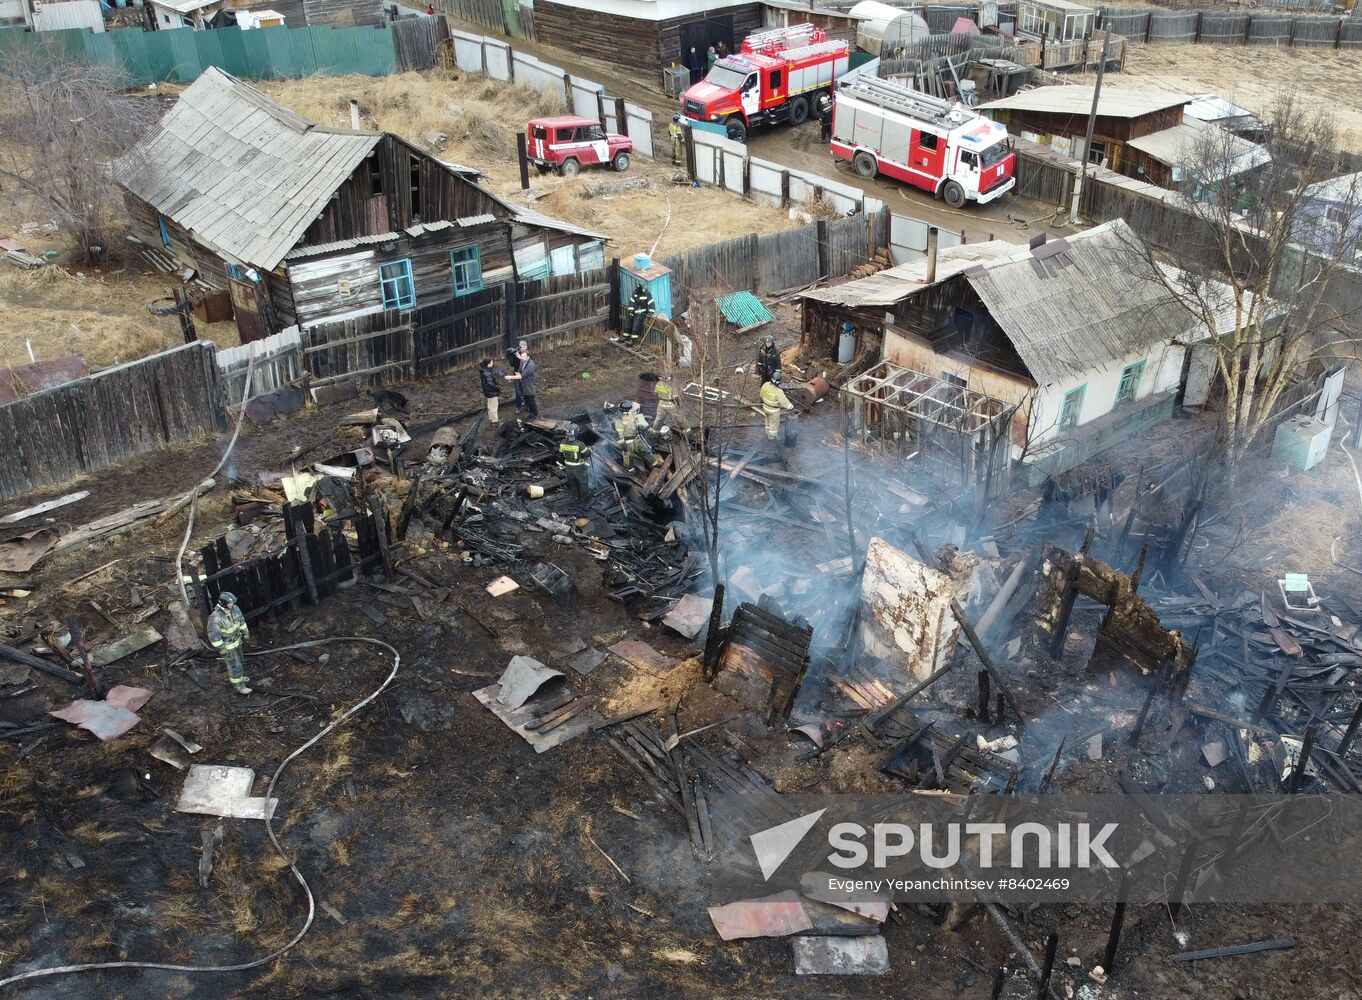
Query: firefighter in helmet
(574,455)
(629,426)
(669,406)
(227,630)
(639,310)
(773,402)
(768,359)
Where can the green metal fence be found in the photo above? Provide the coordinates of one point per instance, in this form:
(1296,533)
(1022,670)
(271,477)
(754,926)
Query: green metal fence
(179,56)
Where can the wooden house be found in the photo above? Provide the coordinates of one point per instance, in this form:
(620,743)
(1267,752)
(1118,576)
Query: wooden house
(1058,116)
(308,224)
(1073,332)
(645,35)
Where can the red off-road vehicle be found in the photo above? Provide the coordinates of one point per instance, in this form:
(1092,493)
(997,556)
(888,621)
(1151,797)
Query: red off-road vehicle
(567,143)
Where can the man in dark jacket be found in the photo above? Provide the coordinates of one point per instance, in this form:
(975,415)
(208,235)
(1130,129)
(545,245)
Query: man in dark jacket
(641,306)
(491,391)
(526,379)
(768,359)
(513,367)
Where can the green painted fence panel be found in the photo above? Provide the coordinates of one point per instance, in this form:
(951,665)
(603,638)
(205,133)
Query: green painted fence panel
(302,58)
(179,56)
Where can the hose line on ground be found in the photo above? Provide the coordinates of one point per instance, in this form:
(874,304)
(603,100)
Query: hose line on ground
(269,828)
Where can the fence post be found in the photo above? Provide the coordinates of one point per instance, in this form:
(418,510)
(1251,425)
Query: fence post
(512,313)
(823,248)
(614,293)
(622,118)
(600,109)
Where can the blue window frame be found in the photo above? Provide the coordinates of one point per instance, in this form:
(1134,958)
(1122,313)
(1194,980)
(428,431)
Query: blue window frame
(1130,382)
(467,267)
(399,290)
(1073,408)
(165,233)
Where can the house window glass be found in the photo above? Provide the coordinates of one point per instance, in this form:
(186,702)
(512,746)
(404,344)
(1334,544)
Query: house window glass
(467,267)
(1072,409)
(165,233)
(1336,214)
(1130,382)
(399,290)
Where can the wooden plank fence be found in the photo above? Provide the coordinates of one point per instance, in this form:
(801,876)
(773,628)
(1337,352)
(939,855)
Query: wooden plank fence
(85,425)
(314,563)
(388,347)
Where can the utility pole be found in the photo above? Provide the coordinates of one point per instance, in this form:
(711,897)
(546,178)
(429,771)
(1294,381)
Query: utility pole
(1092,123)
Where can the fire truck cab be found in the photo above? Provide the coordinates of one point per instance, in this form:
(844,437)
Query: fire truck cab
(944,148)
(776,78)
(566,143)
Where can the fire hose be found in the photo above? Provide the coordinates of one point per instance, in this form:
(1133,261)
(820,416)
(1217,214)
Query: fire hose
(269,829)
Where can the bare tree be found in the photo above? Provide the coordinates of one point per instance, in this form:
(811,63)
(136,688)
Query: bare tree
(1261,263)
(64,124)
(714,421)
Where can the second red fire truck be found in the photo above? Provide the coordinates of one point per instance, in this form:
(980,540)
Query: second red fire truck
(932,144)
(777,77)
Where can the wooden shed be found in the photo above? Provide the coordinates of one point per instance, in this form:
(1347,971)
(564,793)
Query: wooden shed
(306,223)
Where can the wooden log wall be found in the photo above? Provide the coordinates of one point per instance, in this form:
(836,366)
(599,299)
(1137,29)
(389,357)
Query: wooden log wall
(83,426)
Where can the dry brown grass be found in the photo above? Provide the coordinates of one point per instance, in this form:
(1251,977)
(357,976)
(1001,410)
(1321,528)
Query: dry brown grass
(479,119)
(91,832)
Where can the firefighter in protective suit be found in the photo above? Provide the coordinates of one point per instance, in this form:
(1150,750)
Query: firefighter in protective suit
(669,406)
(768,359)
(629,426)
(641,306)
(574,455)
(227,630)
(773,401)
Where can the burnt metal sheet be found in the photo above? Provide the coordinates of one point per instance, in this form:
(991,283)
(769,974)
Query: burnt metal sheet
(124,696)
(38,375)
(690,615)
(841,956)
(775,916)
(522,679)
(106,721)
(223,790)
(518,719)
(21,553)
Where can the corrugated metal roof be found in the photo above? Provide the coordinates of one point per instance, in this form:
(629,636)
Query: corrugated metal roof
(244,175)
(1346,188)
(1178,146)
(420,229)
(1214,108)
(891,286)
(1114,102)
(1085,305)
(530,217)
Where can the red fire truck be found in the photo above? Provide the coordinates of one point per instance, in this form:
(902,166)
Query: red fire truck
(775,78)
(947,149)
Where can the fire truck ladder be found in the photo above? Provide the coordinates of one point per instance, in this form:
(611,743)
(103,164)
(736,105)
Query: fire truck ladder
(779,39)
(896,98)
(808,51)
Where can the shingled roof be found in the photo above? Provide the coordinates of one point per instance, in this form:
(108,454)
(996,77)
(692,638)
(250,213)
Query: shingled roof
(243,174)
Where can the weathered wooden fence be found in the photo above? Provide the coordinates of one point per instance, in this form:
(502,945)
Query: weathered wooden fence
(314,563)
(400,346)
(82,426)
(778,262)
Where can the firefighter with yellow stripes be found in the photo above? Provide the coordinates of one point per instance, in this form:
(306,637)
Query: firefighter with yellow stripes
(574,456)
(637,312)
(629,427)
(773,402)
(227,630)
(669,406)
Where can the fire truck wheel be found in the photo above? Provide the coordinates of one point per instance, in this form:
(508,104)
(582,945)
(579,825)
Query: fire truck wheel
(864,164)
(621,161)
(799,111)
(737,129)
(954,194)
(570,167)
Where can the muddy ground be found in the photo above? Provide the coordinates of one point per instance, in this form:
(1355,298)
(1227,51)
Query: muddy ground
(448,858)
